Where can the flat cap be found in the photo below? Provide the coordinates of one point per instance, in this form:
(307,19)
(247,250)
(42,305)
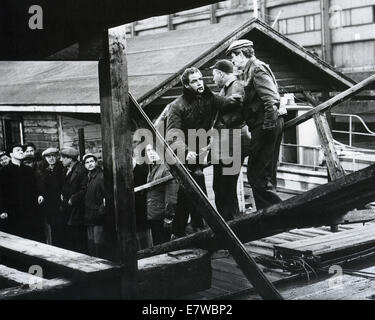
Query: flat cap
(4,153)
(88,155)
(239,44)
(69,152)
(50,151)
(223,65)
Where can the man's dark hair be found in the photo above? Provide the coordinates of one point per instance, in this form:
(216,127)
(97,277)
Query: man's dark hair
(14,146)
(248,52)
(4,153)
(29,144)
(187,73)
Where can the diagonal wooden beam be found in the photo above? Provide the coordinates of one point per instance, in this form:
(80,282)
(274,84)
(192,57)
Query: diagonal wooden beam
(343,96)
(322,205)
(246,263)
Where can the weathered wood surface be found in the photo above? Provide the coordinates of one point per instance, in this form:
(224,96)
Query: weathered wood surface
(63,262)
(155,183)
(117,154)
(174,274)
(324,249)
(318,206)
(213,218)
(335,170)
(343,96)
(159,277)
(356,285)
(333,162)
(49,289)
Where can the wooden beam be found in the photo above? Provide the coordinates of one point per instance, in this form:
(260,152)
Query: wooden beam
(343,96)
(81,142)
(335,169)
(322,205)
(117,153)
(247,264)
(153,184)
(159,277)
(213,18)
(326,31)
(170,82)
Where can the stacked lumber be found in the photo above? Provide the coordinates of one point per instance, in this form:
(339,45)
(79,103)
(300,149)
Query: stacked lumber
(327,249)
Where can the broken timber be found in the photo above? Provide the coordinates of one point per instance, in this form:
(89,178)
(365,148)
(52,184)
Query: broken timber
(319,206)
(343,96)
(335,170)
(247,264)
(35,270)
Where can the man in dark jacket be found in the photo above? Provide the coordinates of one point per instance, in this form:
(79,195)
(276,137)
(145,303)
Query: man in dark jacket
(72,195)
(51,174)
(18,198)
(265,121)
(233,141)
(194,110)
(94,205)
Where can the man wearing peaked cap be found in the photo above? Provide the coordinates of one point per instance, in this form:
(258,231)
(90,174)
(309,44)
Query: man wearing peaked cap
(264,119)
(242,43)
(49,151)
(232,142)
(70,152)
(72,196)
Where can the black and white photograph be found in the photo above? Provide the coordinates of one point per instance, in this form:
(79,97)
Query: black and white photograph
(187,155)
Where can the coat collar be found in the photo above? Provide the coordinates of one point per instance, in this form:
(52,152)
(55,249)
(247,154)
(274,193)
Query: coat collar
(191,96)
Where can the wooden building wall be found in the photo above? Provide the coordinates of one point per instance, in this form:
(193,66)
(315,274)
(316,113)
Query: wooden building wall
(41,129)
(69,125)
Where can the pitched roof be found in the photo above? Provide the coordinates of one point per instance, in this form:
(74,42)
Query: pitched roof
(155,63)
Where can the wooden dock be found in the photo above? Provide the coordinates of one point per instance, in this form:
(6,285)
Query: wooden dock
(228,282)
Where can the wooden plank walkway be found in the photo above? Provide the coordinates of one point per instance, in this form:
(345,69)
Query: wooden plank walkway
(228,280)
(323,249)
(356,283)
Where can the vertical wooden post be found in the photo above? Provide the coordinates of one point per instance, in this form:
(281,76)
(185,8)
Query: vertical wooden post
(117,153)
(170,22)
(326,31)
(81,142)
(213,18)
(335,170)
(264,11)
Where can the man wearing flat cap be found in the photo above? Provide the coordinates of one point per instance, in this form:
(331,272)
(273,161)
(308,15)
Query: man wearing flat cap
(73,190)
(51,175)
(236,142)
(261,112)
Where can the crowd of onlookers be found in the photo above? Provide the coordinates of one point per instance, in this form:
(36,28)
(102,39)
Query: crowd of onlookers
(57,198)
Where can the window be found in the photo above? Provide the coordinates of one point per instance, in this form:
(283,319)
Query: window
(296,25)
(361,15)
(12,132)
(309,23)
(282,26)
(357,16)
